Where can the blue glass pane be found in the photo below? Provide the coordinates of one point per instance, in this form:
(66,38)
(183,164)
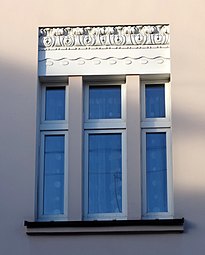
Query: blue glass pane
(105,102)
(53,202)
(155,101)
(156,172)
(105,173)
(55,104)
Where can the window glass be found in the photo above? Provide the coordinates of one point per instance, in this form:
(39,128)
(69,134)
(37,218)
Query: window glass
(55,103)
(53,200)
(156,172)
(155,101)
(105,173)
(104,102)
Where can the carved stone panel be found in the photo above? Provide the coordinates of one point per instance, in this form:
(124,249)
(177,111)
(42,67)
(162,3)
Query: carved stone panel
(100,50)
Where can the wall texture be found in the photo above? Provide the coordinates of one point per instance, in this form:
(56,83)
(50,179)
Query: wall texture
(19,22)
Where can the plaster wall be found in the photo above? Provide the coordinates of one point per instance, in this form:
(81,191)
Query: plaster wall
(19,22)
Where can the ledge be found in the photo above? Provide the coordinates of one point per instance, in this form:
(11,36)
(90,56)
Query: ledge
(104,227)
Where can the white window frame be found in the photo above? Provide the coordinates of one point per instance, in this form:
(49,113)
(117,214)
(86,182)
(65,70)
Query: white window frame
(105,126)
(156,122)
(52,127)
(156,125)
(169,213)
(104,123)
(53,124)
(41,176)
(107,216)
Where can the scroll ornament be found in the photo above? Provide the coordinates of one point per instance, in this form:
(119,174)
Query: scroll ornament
(103,37)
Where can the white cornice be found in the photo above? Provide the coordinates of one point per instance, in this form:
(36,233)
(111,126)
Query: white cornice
(104,50)
(103,37)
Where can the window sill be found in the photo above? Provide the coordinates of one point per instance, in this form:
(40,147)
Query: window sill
(104,227)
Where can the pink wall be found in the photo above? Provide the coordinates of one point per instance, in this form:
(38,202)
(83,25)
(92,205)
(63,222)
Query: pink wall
(18,96)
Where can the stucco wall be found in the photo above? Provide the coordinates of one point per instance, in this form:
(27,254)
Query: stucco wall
(18,96)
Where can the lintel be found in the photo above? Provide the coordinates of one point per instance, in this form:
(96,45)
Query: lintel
(104,50)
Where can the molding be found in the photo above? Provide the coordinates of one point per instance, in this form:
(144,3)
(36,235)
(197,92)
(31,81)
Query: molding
(104,50)
(110,60)
(103,37)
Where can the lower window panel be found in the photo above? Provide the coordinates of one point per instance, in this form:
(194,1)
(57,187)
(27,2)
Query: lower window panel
(53,174)
(105,173)
(53,194)
(156,172)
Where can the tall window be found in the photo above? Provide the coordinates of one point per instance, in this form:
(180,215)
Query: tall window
(104,181)
(105,152)
(53,153)
(156,149)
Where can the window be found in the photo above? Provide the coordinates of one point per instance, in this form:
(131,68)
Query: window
(156,150)
(104,152)
(53,172)
(105,125)
(117,143)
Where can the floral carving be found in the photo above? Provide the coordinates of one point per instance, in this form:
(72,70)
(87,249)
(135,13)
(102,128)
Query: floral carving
(107,36)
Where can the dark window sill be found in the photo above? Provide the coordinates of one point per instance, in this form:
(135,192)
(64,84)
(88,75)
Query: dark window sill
(104,227)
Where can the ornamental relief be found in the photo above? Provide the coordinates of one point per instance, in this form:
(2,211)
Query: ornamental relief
(103,37)
(110,61)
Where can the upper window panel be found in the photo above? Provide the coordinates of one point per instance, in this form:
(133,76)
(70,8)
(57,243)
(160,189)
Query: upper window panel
(105,102)
(55,103)
(155,100)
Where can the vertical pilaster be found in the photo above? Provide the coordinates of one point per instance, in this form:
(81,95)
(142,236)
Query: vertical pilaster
(75,141)
(133,148)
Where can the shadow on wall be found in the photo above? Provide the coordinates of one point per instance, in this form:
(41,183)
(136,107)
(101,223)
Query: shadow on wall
(18,84)
(18,91)
(18,97)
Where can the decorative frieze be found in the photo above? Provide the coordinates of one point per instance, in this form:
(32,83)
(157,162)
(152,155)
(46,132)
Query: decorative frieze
(110,60)
(104,50)
(100,37)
